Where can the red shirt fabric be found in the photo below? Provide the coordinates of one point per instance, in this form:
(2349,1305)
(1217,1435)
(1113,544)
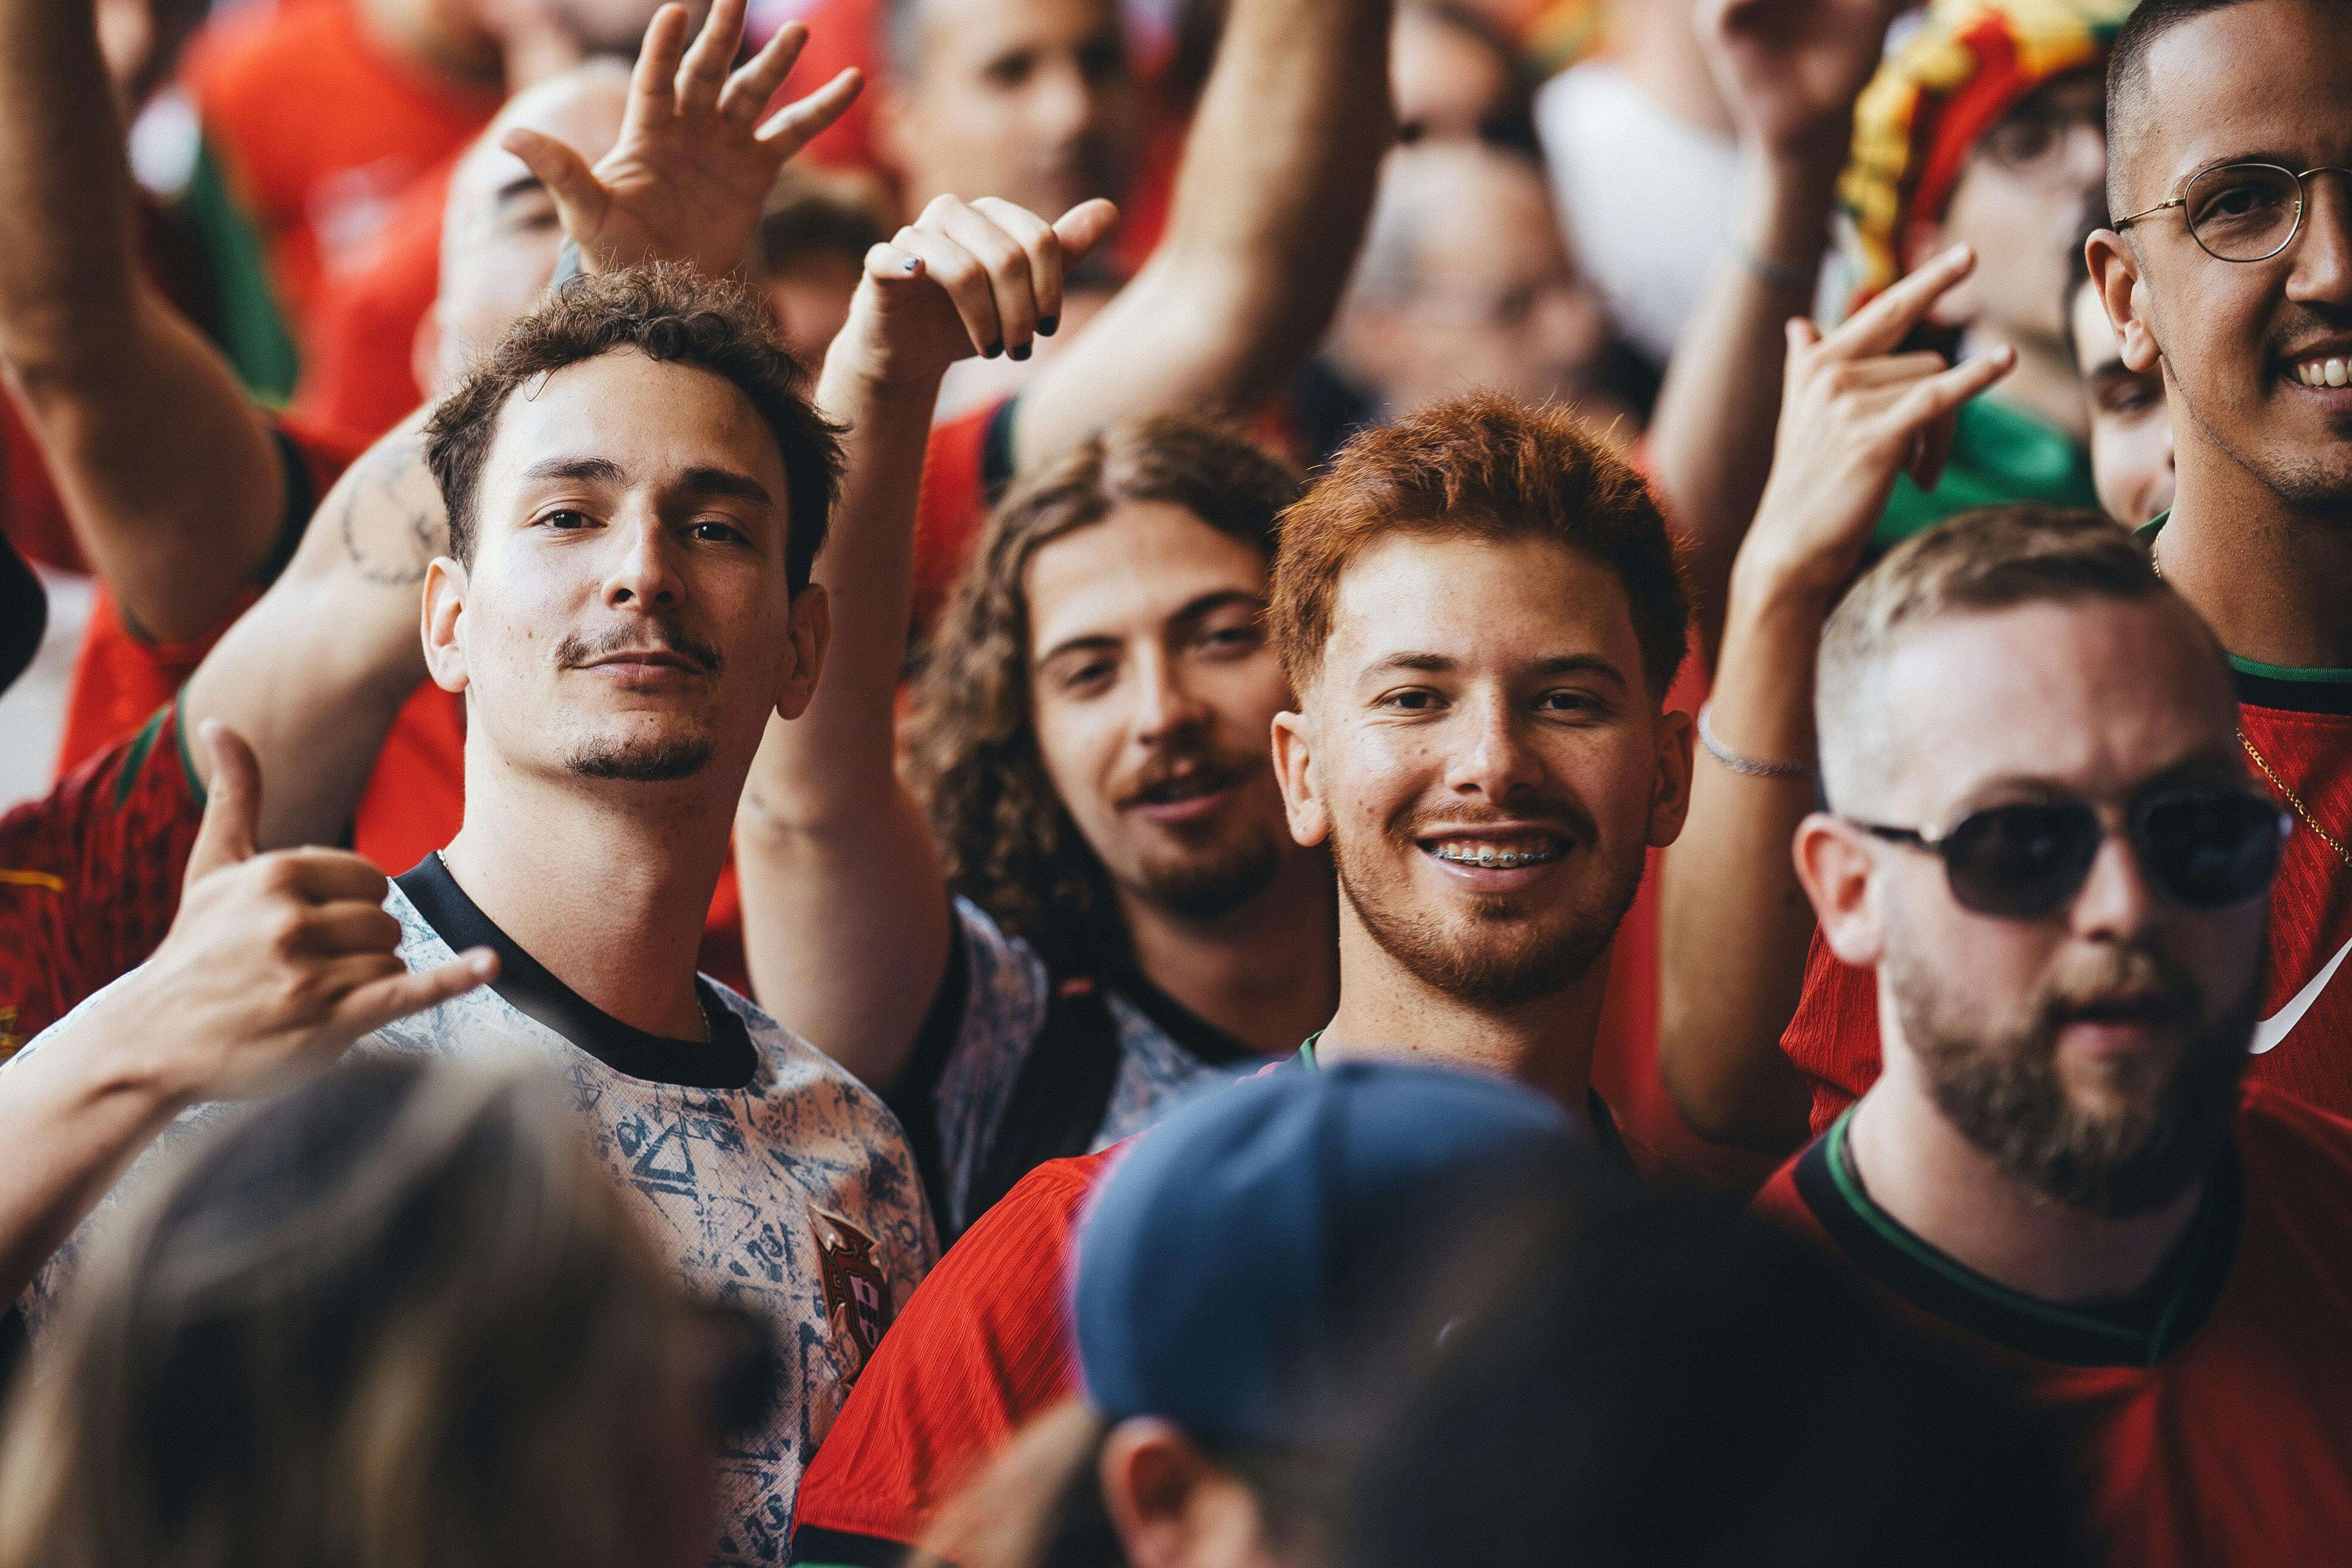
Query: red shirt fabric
(2223,1433)
(2302,728)
(120,676)
(90,875)
(321,129)
(983,1346)
(360,374)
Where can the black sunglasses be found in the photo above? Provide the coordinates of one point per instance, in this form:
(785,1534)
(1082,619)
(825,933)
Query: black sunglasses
(2206,850)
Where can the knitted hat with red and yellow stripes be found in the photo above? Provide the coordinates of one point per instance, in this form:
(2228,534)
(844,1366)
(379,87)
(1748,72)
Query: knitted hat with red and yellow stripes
(1969,63)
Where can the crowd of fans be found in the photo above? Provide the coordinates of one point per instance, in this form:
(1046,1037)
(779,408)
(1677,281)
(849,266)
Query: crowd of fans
(1202,784)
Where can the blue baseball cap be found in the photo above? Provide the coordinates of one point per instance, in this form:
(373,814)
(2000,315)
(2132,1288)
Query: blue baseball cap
(1241,1265)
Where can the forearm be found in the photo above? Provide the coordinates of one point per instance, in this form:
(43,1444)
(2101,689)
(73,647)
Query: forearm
(1711,436)
(67,263)
(315,673)
(1269,209)
(73,1114)
(1734,924)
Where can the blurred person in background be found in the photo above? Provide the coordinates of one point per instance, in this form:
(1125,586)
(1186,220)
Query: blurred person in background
(2046,853)
(1465,284)
(1455,74)
(1256,1281)
(1670,1386)
(398,1317)
(2131,427)
(814,236)
(1987,128)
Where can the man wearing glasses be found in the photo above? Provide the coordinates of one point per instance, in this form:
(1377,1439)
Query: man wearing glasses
(1984,128)
(2046,842)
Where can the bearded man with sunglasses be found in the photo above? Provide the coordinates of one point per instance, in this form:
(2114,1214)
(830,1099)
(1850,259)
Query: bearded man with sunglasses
(2043,840)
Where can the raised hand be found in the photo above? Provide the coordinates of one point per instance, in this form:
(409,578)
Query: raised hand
(1790,70)
(966,277)
(695,163)
(1855,415)
(274,960)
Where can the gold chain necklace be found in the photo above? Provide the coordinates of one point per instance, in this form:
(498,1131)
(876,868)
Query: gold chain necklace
(2262,762)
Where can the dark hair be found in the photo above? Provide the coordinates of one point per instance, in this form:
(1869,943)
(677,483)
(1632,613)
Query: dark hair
(1485,466)
(1679,1385)
(385,1321)
(664,312)
(1007,842)
(2127,76)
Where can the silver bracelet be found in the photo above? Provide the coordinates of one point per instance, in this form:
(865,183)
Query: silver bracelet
(1748,767)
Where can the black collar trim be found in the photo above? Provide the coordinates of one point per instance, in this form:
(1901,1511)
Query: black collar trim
(1198,1037)
(727,1060)
(2139,1331)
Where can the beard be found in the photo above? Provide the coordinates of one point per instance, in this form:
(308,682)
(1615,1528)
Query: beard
(1215,883)
(657,761)
(2008,1095)
(1498,952)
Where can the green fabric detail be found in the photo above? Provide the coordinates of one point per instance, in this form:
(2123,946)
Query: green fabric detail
(252,330)
(1307,1051)
(2146,1349)
(134,758)
(187,757)
(2146,533)
(2000,454)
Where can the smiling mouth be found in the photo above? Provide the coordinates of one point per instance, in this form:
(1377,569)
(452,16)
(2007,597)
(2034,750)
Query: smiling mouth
(2322,371)
(1182,790)
(1497,854)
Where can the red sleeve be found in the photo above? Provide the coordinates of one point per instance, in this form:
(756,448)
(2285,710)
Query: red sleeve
(1833,1038)
(89,876)
(982,1345)
(954,504)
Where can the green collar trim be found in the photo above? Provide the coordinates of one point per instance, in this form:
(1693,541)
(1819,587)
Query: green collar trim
(1306,1052)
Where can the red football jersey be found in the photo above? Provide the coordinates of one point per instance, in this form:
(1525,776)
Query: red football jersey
(2302,728)
(90,875)
(983,1346)
(2214,1421)
(120,676)
(360,374)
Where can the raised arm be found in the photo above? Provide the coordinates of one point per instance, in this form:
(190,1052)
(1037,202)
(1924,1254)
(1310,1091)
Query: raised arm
(1790,71)
(1269,209)
(846,921)
(168,472)
(1734,923)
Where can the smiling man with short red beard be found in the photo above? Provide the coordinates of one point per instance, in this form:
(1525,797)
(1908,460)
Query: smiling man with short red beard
(1480,612)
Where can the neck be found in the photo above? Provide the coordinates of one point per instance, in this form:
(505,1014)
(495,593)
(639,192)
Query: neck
(1387,1013)
(2274,579)
(2045,382)
(422,33)
(1267,974)
(607,884)
(1943,1189)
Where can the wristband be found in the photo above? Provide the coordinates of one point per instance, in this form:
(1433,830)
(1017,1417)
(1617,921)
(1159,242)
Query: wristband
(1774,275)
(1747,767)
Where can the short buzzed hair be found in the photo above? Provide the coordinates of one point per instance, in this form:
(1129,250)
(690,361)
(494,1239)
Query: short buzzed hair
(1481,466)
(2128,79)
(1991,559)
(665,312)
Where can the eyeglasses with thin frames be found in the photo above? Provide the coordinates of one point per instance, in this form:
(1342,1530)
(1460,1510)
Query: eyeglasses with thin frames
(2244,212)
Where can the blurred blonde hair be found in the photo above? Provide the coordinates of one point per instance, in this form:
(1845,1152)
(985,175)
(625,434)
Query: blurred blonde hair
(396,1319)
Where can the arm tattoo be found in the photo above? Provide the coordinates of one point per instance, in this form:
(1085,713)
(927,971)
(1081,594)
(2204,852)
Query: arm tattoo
(391,519)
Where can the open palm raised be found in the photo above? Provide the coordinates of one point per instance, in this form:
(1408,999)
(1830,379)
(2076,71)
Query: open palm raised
(695,162)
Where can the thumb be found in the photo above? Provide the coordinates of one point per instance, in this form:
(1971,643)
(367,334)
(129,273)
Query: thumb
(230,831)
(579,194)
(1083,227)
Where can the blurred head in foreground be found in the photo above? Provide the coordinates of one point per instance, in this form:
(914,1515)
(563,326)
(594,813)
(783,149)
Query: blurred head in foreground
(396,1318)
(1253,1284)
(1682,1387)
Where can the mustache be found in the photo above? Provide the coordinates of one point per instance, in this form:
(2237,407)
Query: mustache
(1563,812)
(2301,322)
(2125,980)
(1211,765)
(658,633)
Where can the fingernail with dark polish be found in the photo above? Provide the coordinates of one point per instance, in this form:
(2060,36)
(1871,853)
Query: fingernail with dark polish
(992,351)
(1047,325)
(1021,353)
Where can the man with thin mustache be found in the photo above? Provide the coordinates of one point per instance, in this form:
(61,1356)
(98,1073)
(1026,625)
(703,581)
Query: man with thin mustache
(2047,849)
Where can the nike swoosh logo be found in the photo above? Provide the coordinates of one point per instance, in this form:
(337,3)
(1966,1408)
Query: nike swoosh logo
(2275,1029)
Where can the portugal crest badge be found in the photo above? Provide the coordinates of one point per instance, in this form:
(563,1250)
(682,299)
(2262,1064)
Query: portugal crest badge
(857,1295)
